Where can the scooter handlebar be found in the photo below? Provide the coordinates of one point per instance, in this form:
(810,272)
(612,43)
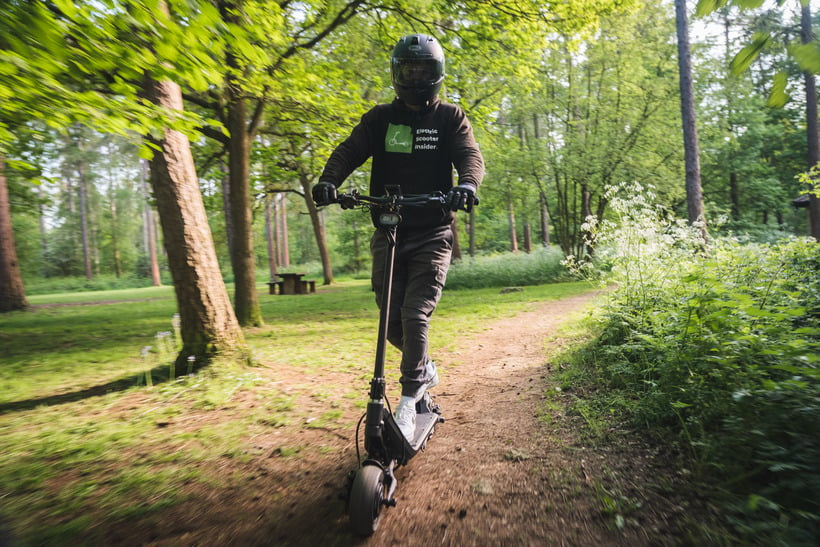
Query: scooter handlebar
(434,200)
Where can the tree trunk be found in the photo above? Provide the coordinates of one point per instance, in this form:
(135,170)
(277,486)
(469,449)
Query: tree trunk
(12,291)
(734,195)
(545,219)
(284,248)
(318,230)
(41,210)
(694,193)
(527,237)
(586,211)
(269,237)
(81,173)
(94,239)
(150,235)
(358,254)
(511,220)
(246,299)
(456,245)
(562,219)
(112,207)
(114,241)
(243,263)
(226,207)
(812,132)
(542,197)
(208,324)
(277,236)
(586,203)
(734,189)
(471,231)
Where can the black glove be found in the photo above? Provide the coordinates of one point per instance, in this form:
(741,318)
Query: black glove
(461,197)
(324,193)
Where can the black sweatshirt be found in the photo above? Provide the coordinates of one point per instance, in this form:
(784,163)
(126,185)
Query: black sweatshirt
(415,150)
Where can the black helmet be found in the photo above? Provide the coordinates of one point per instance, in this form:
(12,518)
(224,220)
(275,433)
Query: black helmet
(417,68)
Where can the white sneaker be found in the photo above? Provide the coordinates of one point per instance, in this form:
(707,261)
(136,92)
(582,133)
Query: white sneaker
(406,417)
(432,374)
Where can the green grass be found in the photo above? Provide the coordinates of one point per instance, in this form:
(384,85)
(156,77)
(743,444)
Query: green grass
(57,347)
(83,439)
(113,295)
(36,285)
(544,265)
(337,327)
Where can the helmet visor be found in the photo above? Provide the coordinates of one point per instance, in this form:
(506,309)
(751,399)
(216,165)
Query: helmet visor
(417,73)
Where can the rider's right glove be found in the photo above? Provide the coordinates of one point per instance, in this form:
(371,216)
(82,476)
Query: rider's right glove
(324,193)
(461,197)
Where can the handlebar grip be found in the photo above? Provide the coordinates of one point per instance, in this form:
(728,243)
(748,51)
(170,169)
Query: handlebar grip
(469,207)
(346,201)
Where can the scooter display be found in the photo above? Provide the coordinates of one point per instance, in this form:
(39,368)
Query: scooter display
(371,487)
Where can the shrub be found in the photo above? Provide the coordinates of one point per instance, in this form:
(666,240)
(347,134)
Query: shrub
(509,269)
(49,285)
(718,345)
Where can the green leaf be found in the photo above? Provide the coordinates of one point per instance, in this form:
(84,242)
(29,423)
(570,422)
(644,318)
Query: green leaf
(807,56)
(619,522)
(146,152)
(778,96)
(705,7)
(209,15)
(167,51)
(67,7)
(19,165)
(749,4)
(746,56)
(756,312)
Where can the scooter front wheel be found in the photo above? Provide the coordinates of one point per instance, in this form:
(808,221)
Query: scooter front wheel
(366,497)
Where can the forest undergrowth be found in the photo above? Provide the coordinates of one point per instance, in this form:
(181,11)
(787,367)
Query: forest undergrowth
(713,345)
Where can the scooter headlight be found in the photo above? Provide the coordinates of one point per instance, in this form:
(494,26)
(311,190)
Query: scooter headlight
(389,219)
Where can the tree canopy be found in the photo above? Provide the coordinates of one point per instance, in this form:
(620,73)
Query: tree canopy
(589,101)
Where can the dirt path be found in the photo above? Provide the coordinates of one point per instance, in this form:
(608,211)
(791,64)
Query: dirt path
(499,475)
(496,473)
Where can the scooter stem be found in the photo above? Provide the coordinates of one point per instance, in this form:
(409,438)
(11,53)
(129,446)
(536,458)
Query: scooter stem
(384,315)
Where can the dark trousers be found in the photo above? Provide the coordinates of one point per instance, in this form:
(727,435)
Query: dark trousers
(422,260)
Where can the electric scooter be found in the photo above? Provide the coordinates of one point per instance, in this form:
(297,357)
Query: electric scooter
(372,485)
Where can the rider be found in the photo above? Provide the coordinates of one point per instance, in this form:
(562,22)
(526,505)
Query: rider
(415,142)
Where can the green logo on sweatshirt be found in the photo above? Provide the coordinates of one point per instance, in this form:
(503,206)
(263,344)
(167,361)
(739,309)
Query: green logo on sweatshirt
(399,138)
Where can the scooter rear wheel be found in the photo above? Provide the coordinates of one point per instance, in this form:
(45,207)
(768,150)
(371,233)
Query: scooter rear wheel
(365,502)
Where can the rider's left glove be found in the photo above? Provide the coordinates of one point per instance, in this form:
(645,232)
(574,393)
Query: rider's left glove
(461,197)
(324,193)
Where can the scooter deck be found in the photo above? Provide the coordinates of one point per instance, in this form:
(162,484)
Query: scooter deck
(428,414)
(425,422)
(399,448)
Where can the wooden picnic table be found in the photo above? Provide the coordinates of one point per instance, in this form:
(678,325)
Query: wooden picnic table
(292,283)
